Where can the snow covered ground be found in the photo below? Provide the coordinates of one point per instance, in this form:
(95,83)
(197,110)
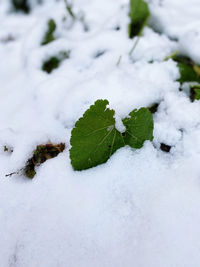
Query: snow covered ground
(142,207)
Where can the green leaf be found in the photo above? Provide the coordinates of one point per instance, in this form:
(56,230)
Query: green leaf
(195,92)
(139,127)
(139,14)
(189,71)
(94,138)
(49,35)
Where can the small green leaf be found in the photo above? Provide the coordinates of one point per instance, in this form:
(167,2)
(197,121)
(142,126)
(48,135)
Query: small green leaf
(139,127)
(139,14)
(49,35)
(195,92)
(189,71)
(94,138)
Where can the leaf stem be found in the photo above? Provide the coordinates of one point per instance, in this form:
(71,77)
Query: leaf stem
(172,55)
(119,60)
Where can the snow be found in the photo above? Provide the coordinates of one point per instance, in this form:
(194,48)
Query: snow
(139,209)
(179,20)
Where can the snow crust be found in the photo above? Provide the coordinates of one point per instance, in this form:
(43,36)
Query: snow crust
(139,209)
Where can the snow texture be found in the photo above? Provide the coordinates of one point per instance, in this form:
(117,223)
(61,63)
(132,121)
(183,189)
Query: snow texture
(139,209)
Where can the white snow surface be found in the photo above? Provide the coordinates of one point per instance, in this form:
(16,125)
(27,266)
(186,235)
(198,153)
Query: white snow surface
(179,19)
(139,209)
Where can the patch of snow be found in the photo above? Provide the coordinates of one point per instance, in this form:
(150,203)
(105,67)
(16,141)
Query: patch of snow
(180,20)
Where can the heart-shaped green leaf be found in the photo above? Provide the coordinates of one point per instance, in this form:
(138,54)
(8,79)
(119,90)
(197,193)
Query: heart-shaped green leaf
(139,127)
(94,138)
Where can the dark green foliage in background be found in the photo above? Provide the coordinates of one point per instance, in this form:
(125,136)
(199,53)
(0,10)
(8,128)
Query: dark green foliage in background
(187,73)
(21,5)
(51,64)
(54,62)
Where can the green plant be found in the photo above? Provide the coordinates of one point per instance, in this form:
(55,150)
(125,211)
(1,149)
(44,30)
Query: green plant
(95,138)
(195,92)
(139,15)
(49,35)
(189,71)
(54,62)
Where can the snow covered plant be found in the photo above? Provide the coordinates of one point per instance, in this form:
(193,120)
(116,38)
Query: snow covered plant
(189,73)
(95,138)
